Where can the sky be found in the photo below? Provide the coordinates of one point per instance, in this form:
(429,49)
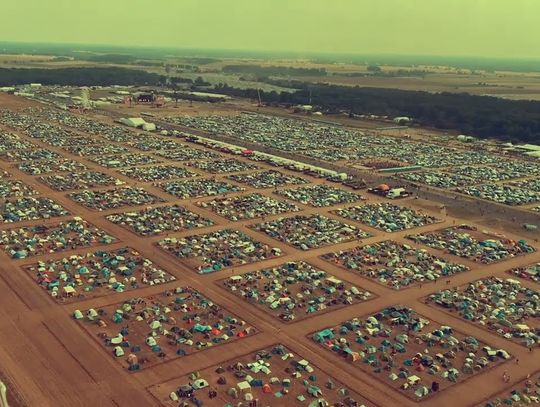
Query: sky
(482,28)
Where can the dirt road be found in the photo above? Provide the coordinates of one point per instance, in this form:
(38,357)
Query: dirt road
(49,360)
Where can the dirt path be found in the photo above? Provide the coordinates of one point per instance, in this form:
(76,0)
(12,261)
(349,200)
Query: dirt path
(50,361)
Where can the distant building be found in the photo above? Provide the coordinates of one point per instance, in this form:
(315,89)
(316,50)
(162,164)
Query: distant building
(535,154)
(528,147)
(305,108)
(145,97)
(209,96)
(149,126)
(531,150)
(401,120)
(24,94)
(132,121)
(138,123)
(465,139)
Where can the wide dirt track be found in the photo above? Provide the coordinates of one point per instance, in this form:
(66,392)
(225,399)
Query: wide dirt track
(47,359)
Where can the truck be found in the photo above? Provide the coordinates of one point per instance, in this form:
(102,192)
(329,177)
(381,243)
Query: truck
(388,192)
(397,193)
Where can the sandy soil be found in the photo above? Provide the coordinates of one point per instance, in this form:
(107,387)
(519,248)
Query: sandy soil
(49,360)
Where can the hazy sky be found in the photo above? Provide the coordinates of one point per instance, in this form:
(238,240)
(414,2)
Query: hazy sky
(500,28)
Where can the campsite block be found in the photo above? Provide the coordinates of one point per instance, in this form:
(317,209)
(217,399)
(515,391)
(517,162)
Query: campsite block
(386,216)
(258,386)
(248,206)
(186,153)
(125,270)
(30,155)
(319,195)
(210,252)
(10,188)
(30,208)
(198,188)
(524,392)
(79,180)
(58,237)
(157,173)
(284,289)
(467,242)
(530,272)
(114,198)
(398,369)
(123,160)
(223,165)
(394,264)
(156,221)
(511,193)
(266,179)
(498,304)
(310,231)
(160,325)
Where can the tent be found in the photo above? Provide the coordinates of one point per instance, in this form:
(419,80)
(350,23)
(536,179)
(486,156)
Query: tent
(200,384)
(323,335)
(421,391)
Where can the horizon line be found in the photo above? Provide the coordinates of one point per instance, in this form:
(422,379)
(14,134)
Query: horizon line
(271,51)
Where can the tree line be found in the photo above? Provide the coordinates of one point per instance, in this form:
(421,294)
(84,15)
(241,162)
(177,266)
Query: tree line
(480,116)
(78,76)
(264,71)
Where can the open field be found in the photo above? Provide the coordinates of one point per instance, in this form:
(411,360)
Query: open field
(21,58)
(512,85)
(52,355)
(504,84)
